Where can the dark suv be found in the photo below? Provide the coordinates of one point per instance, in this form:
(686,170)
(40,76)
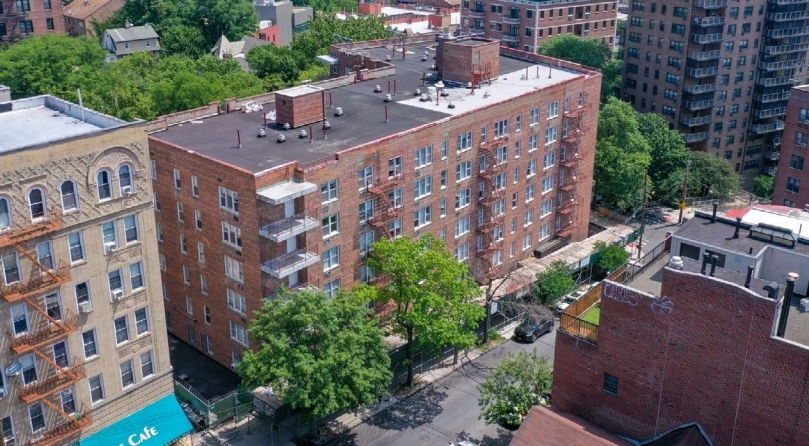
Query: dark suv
(531,329)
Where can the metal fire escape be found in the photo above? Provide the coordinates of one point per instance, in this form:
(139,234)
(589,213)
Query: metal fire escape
(569,177)
(11,17)
(491,202)
(386,204)
(54,324)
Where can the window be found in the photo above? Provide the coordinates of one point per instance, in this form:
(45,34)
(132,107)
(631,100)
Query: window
(610,384)
(331,258)
(534,116)
(201,252)
(672,78)
(796,162)
(550,160)
(203,284)
(463,170)
(395,228)
(533,143)
(234,269)
(366,211)
(116,284)
(76,247)
(177,181)
(463,199)
(423,187)
(205,341)
(551,134)
(395,167)
(531,170)
(501,155)
(131,228)
(198,219)
(125,180)
(422,217)
(366,241)
(395,197)
(545,231)
(136,275)
(332,288)
(529,217)
(104,184)
(228,200)
(231,235)
(328,191)
(29,369)
(189,306)
(90,346)
(146,365)
(500,181)
(70,200)
(464,141)
(547,184)
(5,213)
(331,226)
(110,234)
(37,417)
(793,185)
(180,213)
(127,375)
(156,201)
(444,148)
(424,156)
(238,333)
(45,254)
(462,226)
(546,209)
(237,302)
(96,384)
(11,270)
(462,252)
(36,203)
(183,244)
(366,177)
(121,330)
(529,193)
(19,319)
(443,208)
(500,128)
(553,109)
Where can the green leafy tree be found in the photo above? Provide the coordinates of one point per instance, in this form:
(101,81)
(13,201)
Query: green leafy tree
(622,156)
(669,154)
(433,293)
(319,354)
(612,257)
(269,60)
(589,52)
(764,186)
(183,40)
(553,283)
(520,382)
(711,175)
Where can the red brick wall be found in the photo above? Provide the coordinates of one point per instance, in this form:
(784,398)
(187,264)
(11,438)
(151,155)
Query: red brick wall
(271,34)
(707,357)
(299,110)
(455,61)
(799,99)
(38,15)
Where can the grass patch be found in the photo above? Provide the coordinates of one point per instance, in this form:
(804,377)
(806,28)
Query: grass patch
(593,315)
(495,339)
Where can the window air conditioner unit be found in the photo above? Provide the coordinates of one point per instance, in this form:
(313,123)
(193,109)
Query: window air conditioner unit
(803,145)
(85,307)
(233,366)
(109,247)
(117,294)
(126,190)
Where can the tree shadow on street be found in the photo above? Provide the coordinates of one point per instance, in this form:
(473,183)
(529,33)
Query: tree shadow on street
(416,410)
(503,438)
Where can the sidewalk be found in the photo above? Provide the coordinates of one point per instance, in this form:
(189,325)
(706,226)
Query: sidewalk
(260,430)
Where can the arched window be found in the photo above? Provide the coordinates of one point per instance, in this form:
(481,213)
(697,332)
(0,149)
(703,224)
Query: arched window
(104,181)
(125,179)
(36,202)
(5,213)
(70,200)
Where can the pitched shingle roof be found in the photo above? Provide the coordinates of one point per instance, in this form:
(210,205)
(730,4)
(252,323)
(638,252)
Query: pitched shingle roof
(133,33)
(548,426)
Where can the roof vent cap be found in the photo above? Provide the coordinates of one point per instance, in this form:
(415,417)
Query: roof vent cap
(338,111)
(676,262)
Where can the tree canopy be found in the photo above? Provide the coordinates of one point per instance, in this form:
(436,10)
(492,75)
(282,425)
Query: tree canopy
(590,52)
(319,354)
(520,382)
(433,293)
(764,186)
(669,154)
(612,257)
(711,175)
(553,283)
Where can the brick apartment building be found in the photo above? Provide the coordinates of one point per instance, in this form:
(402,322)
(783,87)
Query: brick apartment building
(705,341)
(81,14)
(23,18)
(720,72)
(85,353)
(524,24)
(791,173)
(469,165)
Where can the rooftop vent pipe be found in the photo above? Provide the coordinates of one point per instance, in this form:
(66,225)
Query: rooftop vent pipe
(738,225)
(713,216)
(676,262)
(705,257)
(714,259)
(749,277)
(782,321)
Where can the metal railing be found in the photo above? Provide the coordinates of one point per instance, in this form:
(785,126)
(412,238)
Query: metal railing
(698,105)
(41,281)
(787,32)
(767,128)
(290,262)
(772,97)
(48,332)
(696,137)
(787,16)
(289,226)
(702,120)
(705,55)
(706,38)
(701,72)
(60,431)
(770,112)
(781,64)
(64,377)
(776,81)
(700,89)
(783,49)
(578,327)
(711,4)
(708,21)
(18,233)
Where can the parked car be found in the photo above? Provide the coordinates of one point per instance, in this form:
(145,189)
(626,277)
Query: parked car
(532,328)
(562,305)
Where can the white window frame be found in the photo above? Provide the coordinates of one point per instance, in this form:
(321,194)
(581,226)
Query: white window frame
(236,302)
(229,200)
(129,363)
(189,305)
(423,187)
(195,186)
(150,361)
(365,177)
(75,196)
(330,225)
(234,269)
(331,258)
(178,183)
(366,211)
(329,191)
(131,222)
(125,330)
(239,334)
(463,171)
(422,217)
(136,273)
(231,235)
(424,157)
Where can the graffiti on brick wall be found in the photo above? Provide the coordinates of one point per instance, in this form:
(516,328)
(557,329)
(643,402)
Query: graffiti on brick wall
(663,305)
(621,294)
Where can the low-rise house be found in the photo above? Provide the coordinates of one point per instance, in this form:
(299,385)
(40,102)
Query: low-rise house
(122,42)
(225,49)
(80,15)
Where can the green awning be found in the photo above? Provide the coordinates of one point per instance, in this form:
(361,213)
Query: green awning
(158,424)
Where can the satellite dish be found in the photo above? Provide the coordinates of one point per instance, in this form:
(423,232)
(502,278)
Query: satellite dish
(14,369)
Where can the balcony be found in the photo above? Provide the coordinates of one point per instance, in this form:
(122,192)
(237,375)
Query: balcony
(289,227)
(785,2)
(71,426)
(711,4)
(694,122)
(767,128)
(782,64)
(40,282)
(787,16)
(772,97)
(701,72)
(697,137)
(705,55)
(698,105)
(708,21)
(776,142)
(575,112)
(511,38)
(777,81)
(567,207)
(769,112)
(699,89)
(706,38)
(772,156)
(574,134)
(571,160)
(288,190)
(786,32)
(38,228)
(477,13)
(769,170)
(289,263)
(47,333)
(784,49)
(512,20)
(62,379)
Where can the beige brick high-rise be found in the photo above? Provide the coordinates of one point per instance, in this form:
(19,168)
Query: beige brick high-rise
(84,341)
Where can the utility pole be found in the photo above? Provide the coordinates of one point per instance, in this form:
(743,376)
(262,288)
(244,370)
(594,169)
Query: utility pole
(643,214)
(685,191)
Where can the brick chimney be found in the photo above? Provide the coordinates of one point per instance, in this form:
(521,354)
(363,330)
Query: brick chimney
(299,106)
(468,60)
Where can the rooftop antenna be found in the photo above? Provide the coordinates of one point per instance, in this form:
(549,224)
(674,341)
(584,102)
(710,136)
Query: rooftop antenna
(81,105)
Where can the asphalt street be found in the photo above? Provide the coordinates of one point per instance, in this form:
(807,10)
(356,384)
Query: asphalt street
(446,411)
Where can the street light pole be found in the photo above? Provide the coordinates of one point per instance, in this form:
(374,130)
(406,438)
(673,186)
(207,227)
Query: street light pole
(685,192)
(643,214)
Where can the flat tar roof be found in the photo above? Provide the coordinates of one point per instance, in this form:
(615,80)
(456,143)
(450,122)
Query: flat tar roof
(364,114)
(44,119)
(720,235)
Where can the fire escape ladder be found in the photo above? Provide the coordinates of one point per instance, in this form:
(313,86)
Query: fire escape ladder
(36,262)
